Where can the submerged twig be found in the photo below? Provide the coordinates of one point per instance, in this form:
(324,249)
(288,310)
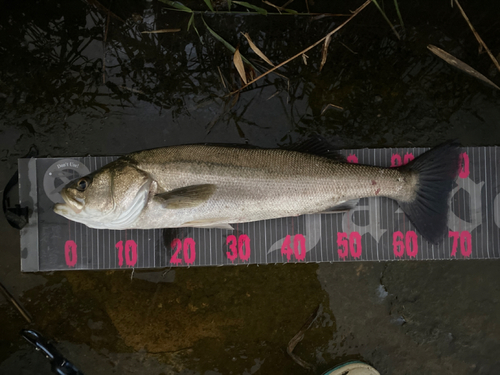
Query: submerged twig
(332,106)
(354,14)
(161,31)
(452,60)
(132,90)
(101,7)
(104,49)
(21,309)
(480,41)
(298,338)
(222,78)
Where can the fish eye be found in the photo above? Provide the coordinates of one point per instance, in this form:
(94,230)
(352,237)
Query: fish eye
(82,184)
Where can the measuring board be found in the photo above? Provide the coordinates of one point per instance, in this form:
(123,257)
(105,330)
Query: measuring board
(375,230)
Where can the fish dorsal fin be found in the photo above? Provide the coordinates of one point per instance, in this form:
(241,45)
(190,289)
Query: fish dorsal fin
(317,145)
(186,197)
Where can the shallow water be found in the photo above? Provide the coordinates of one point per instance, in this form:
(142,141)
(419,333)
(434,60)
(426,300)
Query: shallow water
(74,83)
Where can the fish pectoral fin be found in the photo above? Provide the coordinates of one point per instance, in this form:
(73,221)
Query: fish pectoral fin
(208,223)
(186,197)
(341,207)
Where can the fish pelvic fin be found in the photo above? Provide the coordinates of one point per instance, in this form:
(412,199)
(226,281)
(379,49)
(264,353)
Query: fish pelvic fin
(437,170)
(186,197)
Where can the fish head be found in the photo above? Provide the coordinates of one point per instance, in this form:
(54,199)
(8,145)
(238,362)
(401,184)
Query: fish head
(112,197)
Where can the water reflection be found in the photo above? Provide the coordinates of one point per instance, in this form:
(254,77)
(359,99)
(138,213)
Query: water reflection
(78,60)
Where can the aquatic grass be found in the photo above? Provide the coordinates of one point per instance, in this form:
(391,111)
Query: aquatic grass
(225,43)
(301,53)
(482,44)
(399,13)
(250,6)
(209,5)
(282,8)
(386,18)
(178,6)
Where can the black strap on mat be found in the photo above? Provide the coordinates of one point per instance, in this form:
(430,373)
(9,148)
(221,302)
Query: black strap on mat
(16,215)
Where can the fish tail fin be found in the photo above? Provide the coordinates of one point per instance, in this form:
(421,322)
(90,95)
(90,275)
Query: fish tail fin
(437,170)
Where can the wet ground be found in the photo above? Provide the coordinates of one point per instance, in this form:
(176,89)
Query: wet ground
(78,80)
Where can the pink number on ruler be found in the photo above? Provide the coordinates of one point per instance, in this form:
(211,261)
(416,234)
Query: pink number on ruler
(398,245)
(243,250)
(408,157)
(355,238)
(464,165)
(189,250)
(119,246)
(342,244)
(396,160)
(298,250)
(188,247)
(231,242)
(299,242)
(352,159)
(177,245)
(465,243)
(286,248)
(130,253)
(244,247)
(353,245)
(70,253)
(410,244)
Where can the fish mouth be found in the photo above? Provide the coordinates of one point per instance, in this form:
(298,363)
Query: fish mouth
(71,204)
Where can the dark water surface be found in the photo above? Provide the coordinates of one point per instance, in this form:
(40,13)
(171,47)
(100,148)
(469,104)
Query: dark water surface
(75,81)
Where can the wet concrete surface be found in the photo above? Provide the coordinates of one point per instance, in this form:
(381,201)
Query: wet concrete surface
(401,317)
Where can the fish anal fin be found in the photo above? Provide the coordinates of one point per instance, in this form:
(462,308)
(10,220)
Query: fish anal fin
(208,223)
(186,197)
(341,207)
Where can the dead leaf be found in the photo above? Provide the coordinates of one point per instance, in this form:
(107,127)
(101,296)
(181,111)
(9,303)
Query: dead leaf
(452,60)
(324,53)
(304,58)
(257,50)
(354,14)
(238,62)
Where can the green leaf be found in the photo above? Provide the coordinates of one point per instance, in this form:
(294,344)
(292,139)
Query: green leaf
(247,5)
(191,21)
(178,6)
(219,38)
(229,5)
(291,11)
(226,44)
(209,5)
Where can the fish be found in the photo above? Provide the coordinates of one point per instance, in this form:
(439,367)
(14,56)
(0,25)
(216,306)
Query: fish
(214,186)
